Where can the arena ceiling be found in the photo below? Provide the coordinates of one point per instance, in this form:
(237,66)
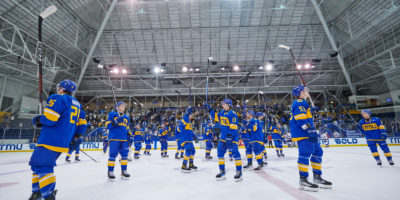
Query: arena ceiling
(141,35)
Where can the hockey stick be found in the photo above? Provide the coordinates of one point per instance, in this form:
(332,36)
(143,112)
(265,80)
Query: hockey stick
(50,10)
(89,156)
(295,65)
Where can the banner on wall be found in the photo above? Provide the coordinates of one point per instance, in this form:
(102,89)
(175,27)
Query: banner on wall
(96,146)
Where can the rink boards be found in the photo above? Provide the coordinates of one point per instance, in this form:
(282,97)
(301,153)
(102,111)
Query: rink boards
(97,146)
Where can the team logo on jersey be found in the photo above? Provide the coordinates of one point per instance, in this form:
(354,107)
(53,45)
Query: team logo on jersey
(369,127)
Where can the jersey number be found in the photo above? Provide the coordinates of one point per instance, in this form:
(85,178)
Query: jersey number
(74,114)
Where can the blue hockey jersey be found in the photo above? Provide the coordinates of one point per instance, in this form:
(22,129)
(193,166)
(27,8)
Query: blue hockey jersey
(372,129)
(60,119)
(138,135)
(187,134)
(208,134)
(228,121)
(300,115)
(119,132)
(255,130)
(277,134)
(163,133)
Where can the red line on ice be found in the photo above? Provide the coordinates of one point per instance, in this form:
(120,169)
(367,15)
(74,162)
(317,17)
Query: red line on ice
(294,192)
(8,184)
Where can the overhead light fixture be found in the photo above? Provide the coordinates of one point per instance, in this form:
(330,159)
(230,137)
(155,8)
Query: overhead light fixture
(162,70)
(124,71)
(210,58)
(260,67)
(197,69)
(261,92)
(307,66)
(100,66)
(49,11)
(236,68)
(191,69)
(268,67)
(223,68)
(184,69)
(312,66)
(284,47)
(157,70)
(115,71)
(298,66)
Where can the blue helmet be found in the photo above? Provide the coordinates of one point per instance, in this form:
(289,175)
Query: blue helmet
(119,103)
(258,114)
(227,101)
(67,85)
(296,90)
(366,111)
(251,112)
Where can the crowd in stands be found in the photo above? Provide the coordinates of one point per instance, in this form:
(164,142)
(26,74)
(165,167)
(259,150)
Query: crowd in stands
(154,117)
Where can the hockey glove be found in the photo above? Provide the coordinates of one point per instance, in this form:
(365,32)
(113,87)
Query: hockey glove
(384,136)
(36,121)
(312,135)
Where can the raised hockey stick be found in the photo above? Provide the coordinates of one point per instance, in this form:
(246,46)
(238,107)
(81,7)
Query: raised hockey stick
(295,66)
(49,11)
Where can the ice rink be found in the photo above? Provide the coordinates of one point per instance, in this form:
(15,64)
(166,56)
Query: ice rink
(351,169)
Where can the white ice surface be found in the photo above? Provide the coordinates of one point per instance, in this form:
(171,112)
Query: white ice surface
(351,169)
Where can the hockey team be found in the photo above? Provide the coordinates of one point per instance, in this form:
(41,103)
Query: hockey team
(63,126)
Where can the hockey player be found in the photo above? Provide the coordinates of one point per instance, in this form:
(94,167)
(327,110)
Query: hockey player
(178,132)
(137,140)
(59,121)
(260,117)
(229,137)
(256,141)
(105,141)
(375,133)
(278,137)
(118,125)
(74,146)
(187,137)
(147,141)
(303,131)
(207,138)
(163,134)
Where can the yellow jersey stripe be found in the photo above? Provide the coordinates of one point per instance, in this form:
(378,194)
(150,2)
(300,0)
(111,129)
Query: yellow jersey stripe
(53,148)
(51,114)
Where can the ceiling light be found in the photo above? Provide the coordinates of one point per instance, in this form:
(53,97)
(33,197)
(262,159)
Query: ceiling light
(223,68)
(210,58)
(307,66)
(162,70)
(236,68)
(184,69)
(157,70)
(298,66)
(268,67)
(312,66)
(197,69)
(191,69)
(124,71)
(260,67)
(100,66)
